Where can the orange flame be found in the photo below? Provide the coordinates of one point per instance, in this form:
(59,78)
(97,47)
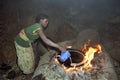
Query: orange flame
(89,56)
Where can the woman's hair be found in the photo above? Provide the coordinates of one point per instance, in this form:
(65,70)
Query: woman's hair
(40,16)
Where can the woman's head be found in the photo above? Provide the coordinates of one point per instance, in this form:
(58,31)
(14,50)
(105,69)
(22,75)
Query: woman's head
(42,19)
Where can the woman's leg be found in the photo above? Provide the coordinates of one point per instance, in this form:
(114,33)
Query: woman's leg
(26,61)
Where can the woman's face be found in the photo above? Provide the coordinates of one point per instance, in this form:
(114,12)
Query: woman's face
(44,22)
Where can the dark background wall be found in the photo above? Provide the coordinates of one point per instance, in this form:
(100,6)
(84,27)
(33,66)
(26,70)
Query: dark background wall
(71,15)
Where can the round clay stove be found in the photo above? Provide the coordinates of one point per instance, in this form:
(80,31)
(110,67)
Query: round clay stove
(76,57)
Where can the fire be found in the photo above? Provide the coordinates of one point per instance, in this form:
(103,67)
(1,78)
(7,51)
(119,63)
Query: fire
(68,46)
(88,57)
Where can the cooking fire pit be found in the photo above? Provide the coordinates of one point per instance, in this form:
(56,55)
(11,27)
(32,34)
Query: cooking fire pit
(86,62)
(76,58)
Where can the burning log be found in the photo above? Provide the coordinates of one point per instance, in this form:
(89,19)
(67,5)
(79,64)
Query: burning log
(84,63)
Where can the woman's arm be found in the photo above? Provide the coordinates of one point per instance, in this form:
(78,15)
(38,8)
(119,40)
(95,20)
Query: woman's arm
(49,42)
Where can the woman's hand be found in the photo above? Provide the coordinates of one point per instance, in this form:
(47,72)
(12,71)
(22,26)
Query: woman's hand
(62,49)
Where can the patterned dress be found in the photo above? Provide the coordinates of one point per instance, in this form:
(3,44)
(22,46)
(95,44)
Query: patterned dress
(25,54)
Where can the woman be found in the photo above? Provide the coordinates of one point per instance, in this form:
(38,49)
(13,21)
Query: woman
(26,36)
